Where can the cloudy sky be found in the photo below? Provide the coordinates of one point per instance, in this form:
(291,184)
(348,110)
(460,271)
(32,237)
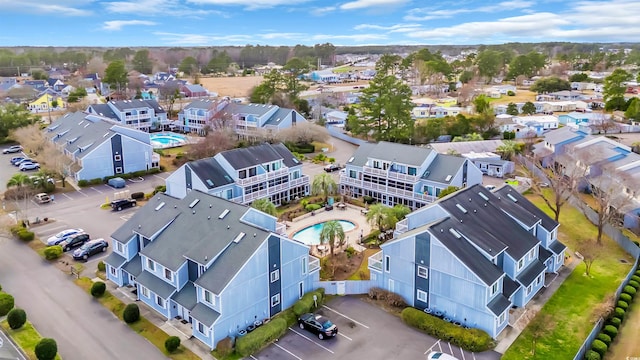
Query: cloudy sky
(309,22)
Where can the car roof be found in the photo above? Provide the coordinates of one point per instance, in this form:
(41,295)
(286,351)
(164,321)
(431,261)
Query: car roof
(96,241)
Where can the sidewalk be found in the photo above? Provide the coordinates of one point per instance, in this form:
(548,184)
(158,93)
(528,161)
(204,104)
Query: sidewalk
(186,340)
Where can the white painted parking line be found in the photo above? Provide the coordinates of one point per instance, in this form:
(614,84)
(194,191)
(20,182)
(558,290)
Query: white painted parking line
(160,177)
(288,352)
(345,336)
(432,346)
(345,316)
(450,349)
(253,357)
(101,192)
(462,353)
(67,196)
(304,336)
(80,192)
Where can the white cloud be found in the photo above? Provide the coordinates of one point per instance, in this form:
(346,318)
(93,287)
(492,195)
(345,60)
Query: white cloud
(156,7)
(249,4)
(423,14)
(364,4)
(392,28)
(115,25)
(359,38)
(323,10)
(62,8)
(203,39)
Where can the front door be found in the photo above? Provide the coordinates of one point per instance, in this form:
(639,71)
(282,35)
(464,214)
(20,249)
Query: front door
(391,285)
(341,286)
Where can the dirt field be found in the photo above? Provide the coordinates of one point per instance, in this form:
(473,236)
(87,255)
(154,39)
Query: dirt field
(231,86)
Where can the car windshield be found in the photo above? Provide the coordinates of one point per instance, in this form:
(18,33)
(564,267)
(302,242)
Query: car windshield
(85,246)
(61,234)
(326,323)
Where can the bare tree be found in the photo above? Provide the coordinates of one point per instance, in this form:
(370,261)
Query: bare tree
(213,143)
(604,309)
(590,251)
(96,65)
(303,133)
(604,124)
(610,197)
(542,324)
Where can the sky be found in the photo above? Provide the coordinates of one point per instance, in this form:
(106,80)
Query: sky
(308,22)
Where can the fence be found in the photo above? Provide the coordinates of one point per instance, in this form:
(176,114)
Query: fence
(347,287)
(336,132)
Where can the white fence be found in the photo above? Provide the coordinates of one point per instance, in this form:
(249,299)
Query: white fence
(346,287)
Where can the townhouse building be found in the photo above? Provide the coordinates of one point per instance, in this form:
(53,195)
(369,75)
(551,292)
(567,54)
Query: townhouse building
(199,114)
(139,114)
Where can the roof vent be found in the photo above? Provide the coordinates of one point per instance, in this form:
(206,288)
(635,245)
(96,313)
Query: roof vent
(461,208)
(224,213)
(455,233)
(193,212)
(175,206)
(139,226)
(228,227)
(194,203)
(160,206)
(448,178)
(208,217)
(512,198)
(441,230)
(254,234)
(482,195)
(210,205)
(350,160)
(239,237)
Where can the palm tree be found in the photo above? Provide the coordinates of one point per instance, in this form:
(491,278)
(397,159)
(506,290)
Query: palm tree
(19,180)
(377,215)
(330,231)
(507,150)
(323,184)
(265,205)
(24,189)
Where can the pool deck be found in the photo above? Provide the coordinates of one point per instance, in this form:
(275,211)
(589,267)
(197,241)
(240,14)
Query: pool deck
(350,213)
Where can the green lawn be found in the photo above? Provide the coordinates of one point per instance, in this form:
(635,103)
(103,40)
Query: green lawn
(27,337)
(364,266)
(573,304)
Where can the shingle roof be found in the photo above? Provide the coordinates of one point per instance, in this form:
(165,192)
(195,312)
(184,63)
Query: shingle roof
(200,104)
(499,304)
(115,260)
(463,147)
(278,116)
(533,211)
(247,157)
(103,110)
(543,254)
(361,154)
(204,314)
(195,88)
(187,296)
(532,271)
(134,266)
(563,134)
(254,109)
(400,153)
(509,286)
(210,172)
(557,247)
(443,167)
(147,221)
(155,284)
(74,131)
(287,156)
(137,104)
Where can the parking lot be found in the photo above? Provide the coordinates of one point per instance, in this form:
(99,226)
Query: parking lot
(364,332)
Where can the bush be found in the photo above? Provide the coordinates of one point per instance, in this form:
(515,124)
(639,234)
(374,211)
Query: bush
(224,347)
(261,336)
(604,338)
(592,355)
(626,298)
(635,278)
(393,299)
(615,322)
(622,305)
(16,318)
(102,266)
(312,207)
(46,349)
(98,288)
(368,199)
(306,304)
(6,303)
(159,188)
(629,290)
(474,340)
(376,293)
(26,235)
(350,251)
(137,195)
(599,347)
(511,93)
(637,273)
(131,313)
(619,313)
(83,183)
(634,284)
(172,343)
(53,252)
(610,330)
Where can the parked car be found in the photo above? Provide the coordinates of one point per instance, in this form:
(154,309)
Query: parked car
(20,160)
(331,168)
(12,149)
(15,158)
(62,236)
(28,165)
(319,325)
(42,198)
(118,205)
(90,248)
(74,241)
(435,355)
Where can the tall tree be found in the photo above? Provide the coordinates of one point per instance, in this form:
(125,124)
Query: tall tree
(22,188)
(266,206)
(13,116)
(332,230)
(614,89)
(376,216)
(141,62)
(512,109)
(528,108)
(490,63)
(550,84)
(323,184)
(189,65)
(116,75)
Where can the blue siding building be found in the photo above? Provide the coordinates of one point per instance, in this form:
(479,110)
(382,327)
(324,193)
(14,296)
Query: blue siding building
(471,256)
(141,114)
(217,264)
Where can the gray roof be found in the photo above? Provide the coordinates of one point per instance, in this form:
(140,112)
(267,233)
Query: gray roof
(123,105)
(210,172)
(155,284)
(463,147)
(532,271)
(204,314)
(278,116)
(443,166)
(287,156)
(134,266)
(200,104)
(103,110)
(115,260)
(400,153)
(557,247)
(499,304)
(187,296)
(74,131)
(247,157)
(147,221)
(532,211)
(208,236)
(509,286)
(254,109)
(361,155)
(563,134)
(543,254)
(195,88)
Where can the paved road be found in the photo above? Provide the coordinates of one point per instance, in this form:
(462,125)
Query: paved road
(59,309)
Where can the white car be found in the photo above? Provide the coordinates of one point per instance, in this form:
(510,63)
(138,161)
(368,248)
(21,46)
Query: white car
(25,166)
(435,355)
(62,236)
(13,149)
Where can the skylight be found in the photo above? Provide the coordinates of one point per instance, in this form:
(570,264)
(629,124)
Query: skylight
(296,161)
(512,198)
(194,203)
(228,178)
(455,233)
(209,182)
(461,208)
(350,160)
(482,195)
(239,237)
(448,178)
(160,206)
(224,213)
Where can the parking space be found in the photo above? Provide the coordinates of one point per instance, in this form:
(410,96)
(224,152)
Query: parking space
(364,331)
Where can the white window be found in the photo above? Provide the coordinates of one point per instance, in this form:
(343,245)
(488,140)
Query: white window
(201,329)
(275,275)
(208,297)
(300,290)
(528,291)
(532,253)
(422,295)
(520,264)
(538,280)
(144,291)
(168,274)
(423,272)
(494,289)
(503,318)
(304,265)
(112,270)
(275,300)
(119,247)
(160,301)
(387,263)
(119,170)
(117,157)
(151,265)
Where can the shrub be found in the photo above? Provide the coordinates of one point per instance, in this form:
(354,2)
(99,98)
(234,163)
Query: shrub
(637,273)
(592,355)
(15,229)
(159,188)
(172,343)
(368,199)
(474,340)
(393,299)
(604,338)
(131,313)
(102,266)
(610,330)
(511,93)
(350,251)
(16,318)
(26,235)
(626,298)
(619,313)
(635,278)
(261,336)
(6,303)
(306,304)
(53,252)
(83,183)
(224,347)
(377,293)
(599,347)
(615,322)
(312,207)
(622,305)
(46,349)
(98,288)
(629,290)
(137,195)
(0,287)
(634,284)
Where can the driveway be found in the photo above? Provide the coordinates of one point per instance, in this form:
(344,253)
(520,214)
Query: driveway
(365,332)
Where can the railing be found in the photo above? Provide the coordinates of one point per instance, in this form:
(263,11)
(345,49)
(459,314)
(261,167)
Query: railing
(390,174)
(402,225)
(375,261)
(255,195)
(281,228)
(314,264)
(263,177)
(304,179)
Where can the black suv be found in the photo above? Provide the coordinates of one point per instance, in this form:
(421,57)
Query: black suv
(318,325)
(118,205)
(74,241)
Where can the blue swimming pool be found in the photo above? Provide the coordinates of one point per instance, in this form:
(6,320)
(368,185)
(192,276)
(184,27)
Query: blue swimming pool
(167,140)
(311,234)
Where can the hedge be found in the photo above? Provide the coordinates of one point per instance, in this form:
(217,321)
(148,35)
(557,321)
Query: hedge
(634,284)
(312,207)
(636,278)
(611,331)
(623,305)
(615,322)
(629,290)
(25,235)
(619,313)
(637,273)
(592,355)
(306,304)
(599,347)
(474,340)
(604,338)
(626,298)
(16,318)
(6,303)
(53,252)
(253,341)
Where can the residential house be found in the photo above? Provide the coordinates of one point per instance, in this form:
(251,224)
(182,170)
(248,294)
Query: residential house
(583,85)
(481,153)
(563,95)
(218,265)
(554,143)
(537,123)
(46,103)
(256,119)
(409,175)
(583,120)
(244,175)
(99,148)
(55,84)
(194,91)
(199,114)
(138,114)
(471,256)
(336,117)
(324,76)
(39,85)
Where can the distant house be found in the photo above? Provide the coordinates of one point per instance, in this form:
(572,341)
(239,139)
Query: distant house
(481,153)
(137,114)
(55,84)
(536,123)
(336,117)
(325,76)
(257,119)
(45,103)
(99,148)
(39,85)
(194,91)
(199,114)
(564,95)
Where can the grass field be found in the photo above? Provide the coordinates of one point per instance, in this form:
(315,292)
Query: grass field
(573,304)
(27,337)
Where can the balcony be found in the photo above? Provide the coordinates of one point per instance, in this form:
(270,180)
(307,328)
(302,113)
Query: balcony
(402,226)
(390,174)
(263,177)
(281,228)
(375,261)
(138,117)
(314,264)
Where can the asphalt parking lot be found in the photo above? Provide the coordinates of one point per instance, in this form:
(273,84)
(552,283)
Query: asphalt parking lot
(364,332)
